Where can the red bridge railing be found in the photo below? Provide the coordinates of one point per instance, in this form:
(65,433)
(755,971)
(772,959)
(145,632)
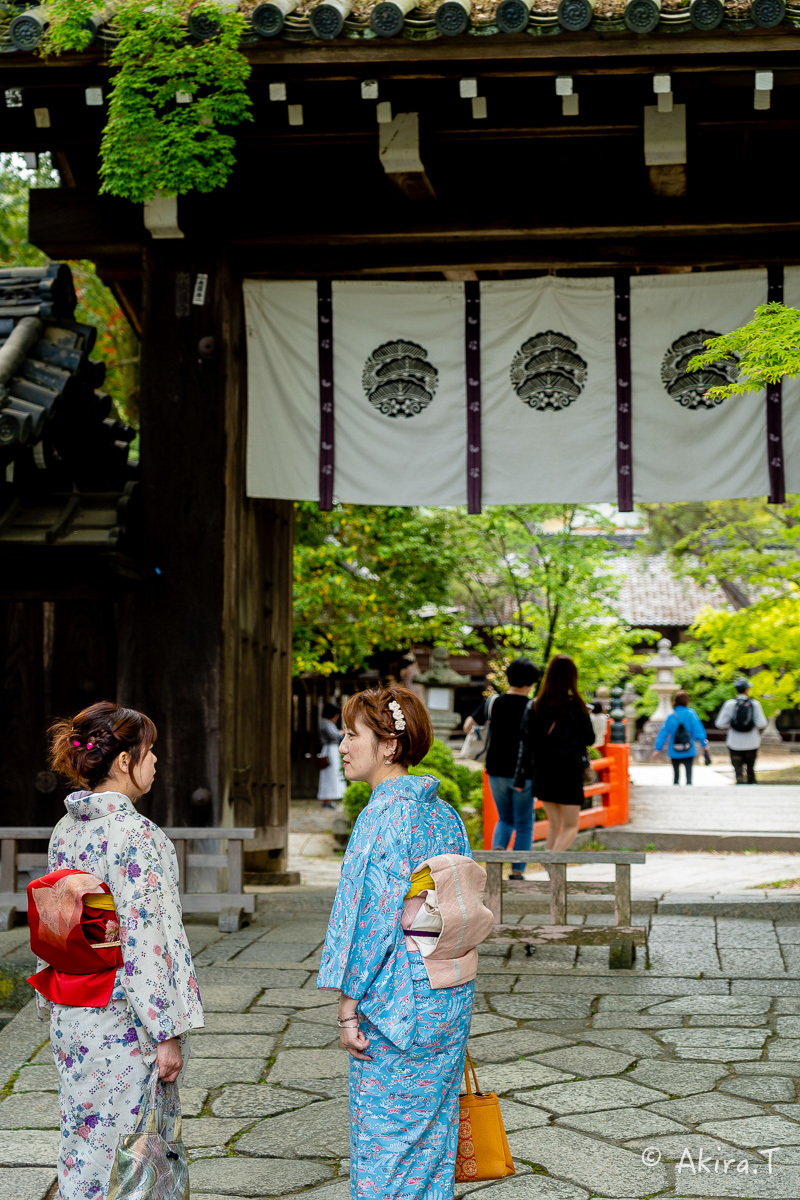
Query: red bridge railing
(613,789)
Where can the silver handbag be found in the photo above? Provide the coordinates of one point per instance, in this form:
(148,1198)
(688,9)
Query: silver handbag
(476,743)
(151,1161)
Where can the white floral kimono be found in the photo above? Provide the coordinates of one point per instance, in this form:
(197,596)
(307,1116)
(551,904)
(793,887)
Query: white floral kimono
(104,1056)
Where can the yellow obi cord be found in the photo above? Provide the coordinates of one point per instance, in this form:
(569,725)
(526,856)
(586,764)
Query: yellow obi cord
(104,901)
(421,881)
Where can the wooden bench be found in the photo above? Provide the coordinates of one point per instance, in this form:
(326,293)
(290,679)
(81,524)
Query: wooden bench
(231,905)
(622,938)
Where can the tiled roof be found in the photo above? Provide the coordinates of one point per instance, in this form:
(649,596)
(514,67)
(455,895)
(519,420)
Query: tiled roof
(312,20)
(66,479)
(651,594)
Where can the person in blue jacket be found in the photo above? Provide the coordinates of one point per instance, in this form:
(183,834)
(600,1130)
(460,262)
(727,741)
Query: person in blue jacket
(681,730)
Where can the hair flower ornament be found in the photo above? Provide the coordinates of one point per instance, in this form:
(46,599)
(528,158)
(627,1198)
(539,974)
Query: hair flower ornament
(397,716)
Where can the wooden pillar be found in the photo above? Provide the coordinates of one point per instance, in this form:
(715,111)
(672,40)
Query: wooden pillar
(171,631)
(206,640)
(257,624)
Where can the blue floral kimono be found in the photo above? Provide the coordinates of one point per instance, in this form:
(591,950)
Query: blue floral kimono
(404,1099)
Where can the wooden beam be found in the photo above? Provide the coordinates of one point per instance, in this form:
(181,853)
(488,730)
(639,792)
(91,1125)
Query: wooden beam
(130,307)
(565,254)
(400,158)
(346,59)
(544,230)
(565,935)
(64,220)
(518,52)
(64,169)
(88,222)
(577,857)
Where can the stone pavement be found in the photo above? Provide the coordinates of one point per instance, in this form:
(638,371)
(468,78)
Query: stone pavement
(719,774)
(706,816)
(608,1079)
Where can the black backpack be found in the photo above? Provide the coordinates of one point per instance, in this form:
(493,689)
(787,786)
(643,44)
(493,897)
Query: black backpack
(743,720)
(681,740)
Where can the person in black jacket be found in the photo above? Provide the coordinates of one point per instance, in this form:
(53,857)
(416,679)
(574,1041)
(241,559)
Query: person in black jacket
(556,730)
(504,717)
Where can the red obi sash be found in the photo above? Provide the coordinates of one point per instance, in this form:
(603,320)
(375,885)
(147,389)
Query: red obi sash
(80,942)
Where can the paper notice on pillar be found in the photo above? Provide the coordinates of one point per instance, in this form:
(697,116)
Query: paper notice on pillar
(283,422)
(791,396)
(687,446)
(549,391)
(399,391)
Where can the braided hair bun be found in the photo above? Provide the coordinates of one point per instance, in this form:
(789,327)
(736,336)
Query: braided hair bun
(85,748)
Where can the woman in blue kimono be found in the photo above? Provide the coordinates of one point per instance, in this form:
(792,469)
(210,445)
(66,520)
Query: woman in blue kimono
(407,1040)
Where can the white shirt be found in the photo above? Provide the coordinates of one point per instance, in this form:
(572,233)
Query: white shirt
(742,741)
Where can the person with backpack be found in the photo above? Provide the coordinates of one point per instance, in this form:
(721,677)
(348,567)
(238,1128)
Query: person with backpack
(504,715)
(743,717)
(681,730)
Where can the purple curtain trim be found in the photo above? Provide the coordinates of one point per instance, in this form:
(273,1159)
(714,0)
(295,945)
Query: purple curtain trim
(325,349)
(472,342)
(777,483)
(622,347)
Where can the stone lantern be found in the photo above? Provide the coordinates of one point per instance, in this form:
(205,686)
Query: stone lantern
(617,734)
(629,699)
(440,683)
(664,685)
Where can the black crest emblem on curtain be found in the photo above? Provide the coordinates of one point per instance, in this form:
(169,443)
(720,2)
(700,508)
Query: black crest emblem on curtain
(689,388)
(547,371)
(398,379)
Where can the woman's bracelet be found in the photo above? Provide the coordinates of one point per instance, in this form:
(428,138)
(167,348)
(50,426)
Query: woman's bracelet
(342,1022)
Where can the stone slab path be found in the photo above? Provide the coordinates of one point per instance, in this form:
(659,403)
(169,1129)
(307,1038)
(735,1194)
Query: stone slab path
(763,817)
(764,808)
(678,1079)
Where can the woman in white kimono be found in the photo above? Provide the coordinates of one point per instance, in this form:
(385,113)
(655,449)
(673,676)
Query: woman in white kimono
(105,1054)
(331,780)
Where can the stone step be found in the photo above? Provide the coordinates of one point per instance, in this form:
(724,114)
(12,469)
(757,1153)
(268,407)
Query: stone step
(641,836)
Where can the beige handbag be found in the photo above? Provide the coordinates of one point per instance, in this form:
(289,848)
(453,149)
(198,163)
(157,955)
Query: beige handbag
(148,1161)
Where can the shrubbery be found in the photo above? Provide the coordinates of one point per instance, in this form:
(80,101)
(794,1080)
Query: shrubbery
(458,785)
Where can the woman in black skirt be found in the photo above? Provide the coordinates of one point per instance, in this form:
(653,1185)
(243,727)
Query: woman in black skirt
(556,730)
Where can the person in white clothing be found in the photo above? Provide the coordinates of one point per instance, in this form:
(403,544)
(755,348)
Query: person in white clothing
(743,717)
(331,781)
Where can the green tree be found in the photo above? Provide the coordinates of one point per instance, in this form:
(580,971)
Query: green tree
(743,547)
(173,98)
(542,586)
(751,550)
(370,579)
(762,640)
(117,344)
(765,350)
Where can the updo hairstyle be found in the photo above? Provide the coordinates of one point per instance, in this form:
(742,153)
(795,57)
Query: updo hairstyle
(84,749)
(371,709)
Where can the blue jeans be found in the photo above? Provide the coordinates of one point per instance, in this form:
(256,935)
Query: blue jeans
(514,815)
